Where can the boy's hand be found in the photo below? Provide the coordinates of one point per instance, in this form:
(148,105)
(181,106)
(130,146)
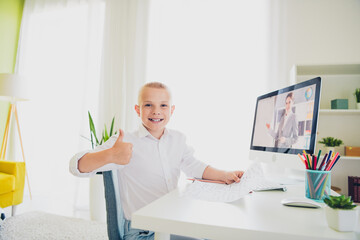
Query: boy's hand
(121,151)
(211,173)
(231,177)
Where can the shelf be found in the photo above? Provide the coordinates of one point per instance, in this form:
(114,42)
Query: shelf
(338,82)
(350,158)
(337,69)
(340,111)
(347,158)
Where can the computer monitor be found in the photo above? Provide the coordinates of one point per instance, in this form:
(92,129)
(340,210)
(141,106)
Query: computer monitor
(285,124)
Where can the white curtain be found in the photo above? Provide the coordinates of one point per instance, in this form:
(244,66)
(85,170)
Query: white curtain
(77,55)
(124,60)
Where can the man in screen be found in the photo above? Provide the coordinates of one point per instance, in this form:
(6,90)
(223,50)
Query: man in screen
(287,132)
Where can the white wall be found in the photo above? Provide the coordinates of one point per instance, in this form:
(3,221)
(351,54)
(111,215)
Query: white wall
(313,32)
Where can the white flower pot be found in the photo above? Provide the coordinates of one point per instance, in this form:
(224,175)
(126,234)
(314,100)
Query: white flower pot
(330,148)
(358,105)
(342,220)
(97,199)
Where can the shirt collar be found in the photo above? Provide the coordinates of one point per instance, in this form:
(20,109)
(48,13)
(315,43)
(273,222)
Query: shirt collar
(143,132)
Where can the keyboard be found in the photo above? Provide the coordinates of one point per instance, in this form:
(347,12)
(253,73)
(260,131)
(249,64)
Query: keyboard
(264,185)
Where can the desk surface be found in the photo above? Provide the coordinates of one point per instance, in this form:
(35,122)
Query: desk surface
(259,215)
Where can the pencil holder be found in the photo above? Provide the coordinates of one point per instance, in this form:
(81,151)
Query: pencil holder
(317,184)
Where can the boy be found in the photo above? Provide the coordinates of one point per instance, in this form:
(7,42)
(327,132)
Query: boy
(149,160)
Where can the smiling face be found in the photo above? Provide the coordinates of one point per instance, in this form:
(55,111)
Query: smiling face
(154,109)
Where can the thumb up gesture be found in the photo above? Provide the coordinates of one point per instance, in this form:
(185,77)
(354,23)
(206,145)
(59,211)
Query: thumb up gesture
(121,151)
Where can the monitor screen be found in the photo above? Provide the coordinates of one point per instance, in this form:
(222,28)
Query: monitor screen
(286,120)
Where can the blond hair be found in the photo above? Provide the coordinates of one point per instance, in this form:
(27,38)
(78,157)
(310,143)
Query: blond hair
(158,85)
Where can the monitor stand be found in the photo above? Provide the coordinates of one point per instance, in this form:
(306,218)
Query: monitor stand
(283,175)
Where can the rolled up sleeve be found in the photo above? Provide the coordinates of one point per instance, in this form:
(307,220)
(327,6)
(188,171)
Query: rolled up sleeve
(73,165)
(74,161)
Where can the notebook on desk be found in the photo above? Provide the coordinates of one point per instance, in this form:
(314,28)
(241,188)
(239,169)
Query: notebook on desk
(257,186)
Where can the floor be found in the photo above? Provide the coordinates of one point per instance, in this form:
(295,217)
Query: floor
(62,204)
(39,225)
(50,204)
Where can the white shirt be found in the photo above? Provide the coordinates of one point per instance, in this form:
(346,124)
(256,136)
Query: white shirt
(154,168)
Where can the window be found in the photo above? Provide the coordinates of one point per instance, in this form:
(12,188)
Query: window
(214,56)
(60,54)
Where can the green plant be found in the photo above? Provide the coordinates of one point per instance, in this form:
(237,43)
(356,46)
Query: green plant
(331,142)
(105,134)
(340,202)
(357,95)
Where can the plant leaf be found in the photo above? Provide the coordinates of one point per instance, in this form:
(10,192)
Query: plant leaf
(92,127)
(105,134)
(92,140)
(340,202)
(112,126)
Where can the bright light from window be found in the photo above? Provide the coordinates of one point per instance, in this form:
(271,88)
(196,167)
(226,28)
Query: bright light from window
(60,55)
(214,56)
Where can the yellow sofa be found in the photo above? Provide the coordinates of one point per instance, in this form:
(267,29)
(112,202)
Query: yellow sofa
(12,181)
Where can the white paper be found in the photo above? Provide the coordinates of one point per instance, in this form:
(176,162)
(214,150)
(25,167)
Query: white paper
(216,192)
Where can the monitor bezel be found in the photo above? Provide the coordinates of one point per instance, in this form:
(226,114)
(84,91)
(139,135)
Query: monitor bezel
(315,81)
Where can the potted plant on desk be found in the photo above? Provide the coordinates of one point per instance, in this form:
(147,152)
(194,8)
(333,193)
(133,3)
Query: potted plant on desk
(330,143)
(357,96)
(341,213)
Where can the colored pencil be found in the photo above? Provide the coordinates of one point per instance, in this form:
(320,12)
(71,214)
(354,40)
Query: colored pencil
(336,158)
(323,161)
(326,162)
(307,163)
(315,163)
(307,156)
(332,162)
(318,156)
(302,160)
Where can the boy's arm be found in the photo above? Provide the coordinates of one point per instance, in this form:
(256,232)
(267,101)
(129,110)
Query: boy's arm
(91,161)
(220,175)
(120,153)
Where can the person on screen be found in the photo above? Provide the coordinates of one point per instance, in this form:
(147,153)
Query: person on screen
(287,132)
(149,160)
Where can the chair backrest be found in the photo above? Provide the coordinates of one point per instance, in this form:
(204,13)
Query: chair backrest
(114,213)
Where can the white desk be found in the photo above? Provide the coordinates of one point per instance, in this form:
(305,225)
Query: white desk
(259,215)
